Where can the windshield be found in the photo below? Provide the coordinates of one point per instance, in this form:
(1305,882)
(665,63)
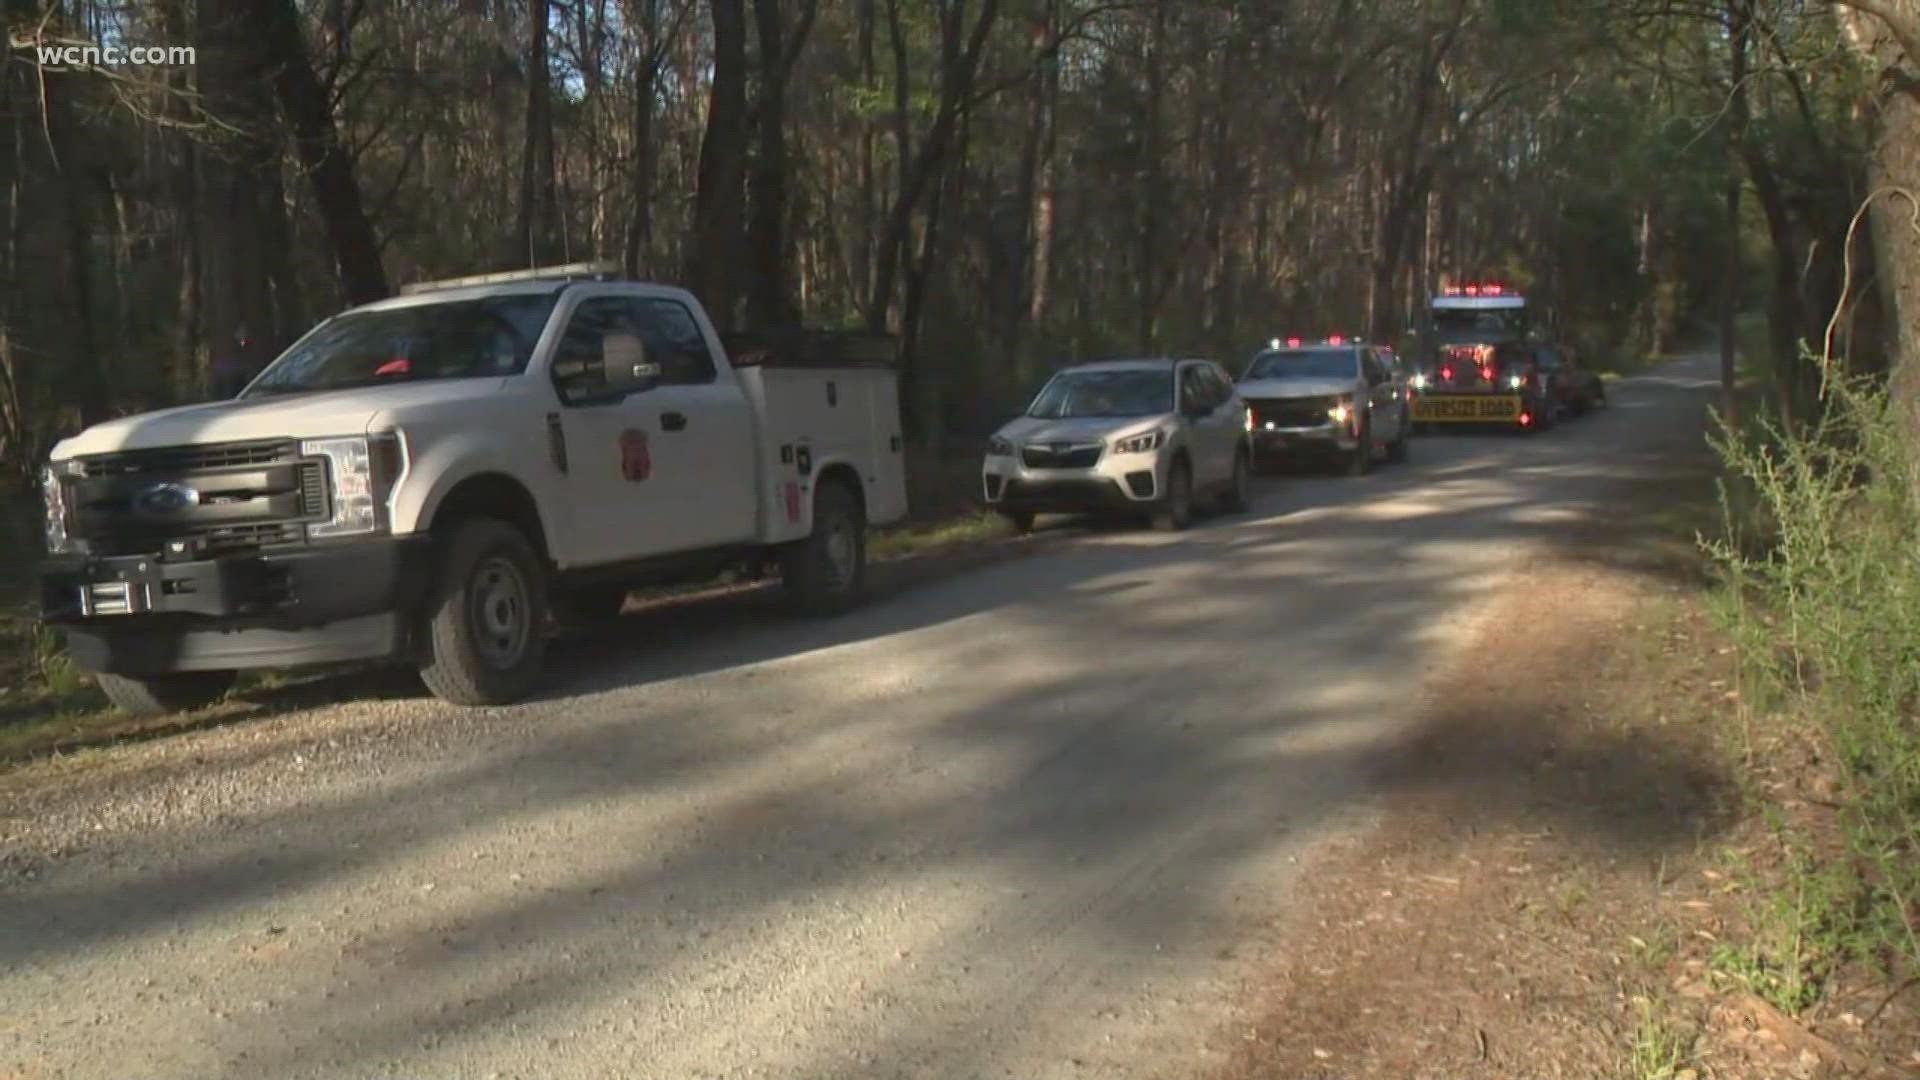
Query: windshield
(1077,394)
(1303,364)
(465,339)
(1499,325)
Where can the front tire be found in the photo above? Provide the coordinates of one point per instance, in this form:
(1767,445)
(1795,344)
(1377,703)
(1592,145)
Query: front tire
(825,573)
(1398,448)
(158,695)
(485,616)
(1361,461)
(1021,521)
(1239,495)
(1176,510)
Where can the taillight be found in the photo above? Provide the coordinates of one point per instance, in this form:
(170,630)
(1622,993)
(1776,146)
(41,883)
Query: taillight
(1526,419)
(1446,374)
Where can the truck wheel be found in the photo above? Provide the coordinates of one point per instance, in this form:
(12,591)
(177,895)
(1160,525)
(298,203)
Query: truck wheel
(156,695)
(485,616)
(824,573)
(1176,510)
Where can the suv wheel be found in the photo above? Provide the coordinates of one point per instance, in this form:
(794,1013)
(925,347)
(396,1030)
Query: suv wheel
(485,616)
(1397,449)
(157,695)
(824,573)
(1239,494)
(1361,461)
(1176,509)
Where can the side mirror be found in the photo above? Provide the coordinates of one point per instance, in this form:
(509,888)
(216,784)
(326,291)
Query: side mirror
(624,365)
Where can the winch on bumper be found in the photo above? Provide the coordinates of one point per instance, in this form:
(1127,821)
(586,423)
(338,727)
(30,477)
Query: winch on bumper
(152,614)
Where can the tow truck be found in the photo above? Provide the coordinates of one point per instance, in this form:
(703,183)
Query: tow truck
(1478,363)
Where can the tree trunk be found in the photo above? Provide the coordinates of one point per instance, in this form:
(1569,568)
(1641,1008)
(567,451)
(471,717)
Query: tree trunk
(329,169)
(534,233)
(956,83)
(1891,48)
(770,293)
(712,272)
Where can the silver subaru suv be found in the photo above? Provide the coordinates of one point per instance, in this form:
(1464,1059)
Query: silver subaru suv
(1151,437)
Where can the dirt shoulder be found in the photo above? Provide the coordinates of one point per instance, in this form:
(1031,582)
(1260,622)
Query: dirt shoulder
(1567,869)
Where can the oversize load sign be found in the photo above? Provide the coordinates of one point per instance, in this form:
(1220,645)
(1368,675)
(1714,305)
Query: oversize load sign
(1466,408)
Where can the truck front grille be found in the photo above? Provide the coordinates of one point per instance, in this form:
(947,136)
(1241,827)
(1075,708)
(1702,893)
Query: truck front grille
(174,461)
(222,498)
(1291,412)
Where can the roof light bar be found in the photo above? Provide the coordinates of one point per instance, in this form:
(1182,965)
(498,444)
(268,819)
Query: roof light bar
(602,269)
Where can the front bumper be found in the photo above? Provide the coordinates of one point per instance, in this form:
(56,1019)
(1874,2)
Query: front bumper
(326,603)
(1116,482)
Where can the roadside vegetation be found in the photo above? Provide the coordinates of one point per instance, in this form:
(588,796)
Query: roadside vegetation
(1821,579)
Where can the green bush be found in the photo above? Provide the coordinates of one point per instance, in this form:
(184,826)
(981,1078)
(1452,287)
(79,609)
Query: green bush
(1823,552)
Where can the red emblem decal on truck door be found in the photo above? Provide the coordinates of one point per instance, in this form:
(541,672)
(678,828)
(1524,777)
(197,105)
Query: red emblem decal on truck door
(635,463)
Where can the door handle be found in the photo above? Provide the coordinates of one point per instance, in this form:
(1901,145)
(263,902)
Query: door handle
(673,421)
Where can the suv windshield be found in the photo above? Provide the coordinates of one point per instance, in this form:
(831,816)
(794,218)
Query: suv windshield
(464,339)
(1076,394)
(1303,364)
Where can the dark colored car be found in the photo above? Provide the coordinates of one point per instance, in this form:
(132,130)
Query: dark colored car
(1573,389)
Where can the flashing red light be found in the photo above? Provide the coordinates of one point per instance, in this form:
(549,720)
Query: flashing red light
(1493,290)
(1473,290)
(1336,340)
(1446,374)
(1293,343)
(1526,419)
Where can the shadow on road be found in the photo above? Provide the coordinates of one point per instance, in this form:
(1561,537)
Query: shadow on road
(1110,705)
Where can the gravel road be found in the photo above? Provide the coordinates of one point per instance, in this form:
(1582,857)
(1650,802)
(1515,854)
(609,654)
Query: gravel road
(1038,819)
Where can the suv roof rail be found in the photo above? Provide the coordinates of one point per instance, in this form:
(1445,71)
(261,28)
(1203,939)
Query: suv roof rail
(603,270)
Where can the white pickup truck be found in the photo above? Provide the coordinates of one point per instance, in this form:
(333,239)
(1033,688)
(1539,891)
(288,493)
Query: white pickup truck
(427,479)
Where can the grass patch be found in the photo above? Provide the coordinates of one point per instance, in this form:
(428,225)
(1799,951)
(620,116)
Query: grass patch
(1660,1046)
(916,539)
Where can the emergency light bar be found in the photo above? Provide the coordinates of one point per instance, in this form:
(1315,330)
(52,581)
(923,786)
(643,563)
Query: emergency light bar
(603,270)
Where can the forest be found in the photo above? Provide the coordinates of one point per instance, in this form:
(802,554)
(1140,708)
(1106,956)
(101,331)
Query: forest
(1002,184)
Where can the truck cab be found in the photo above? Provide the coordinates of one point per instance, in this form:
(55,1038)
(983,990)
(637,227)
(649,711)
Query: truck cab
(428,478)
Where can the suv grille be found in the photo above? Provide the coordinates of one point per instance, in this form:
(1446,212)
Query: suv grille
(1062,455)
(1291,412)
(226,497)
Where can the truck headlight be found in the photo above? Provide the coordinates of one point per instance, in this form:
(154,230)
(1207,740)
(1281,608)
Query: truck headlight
(1140,444)
(363,471)
(1515,382)
(999,447)
(1419,381)
(1341,412)
(59,513)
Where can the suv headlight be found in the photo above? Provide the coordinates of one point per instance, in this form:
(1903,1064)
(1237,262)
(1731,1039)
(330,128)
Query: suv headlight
(1140,444)
(59,513)
(1342,410)
(999,447)
(1419,381)
(1515,382)
(362,471)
